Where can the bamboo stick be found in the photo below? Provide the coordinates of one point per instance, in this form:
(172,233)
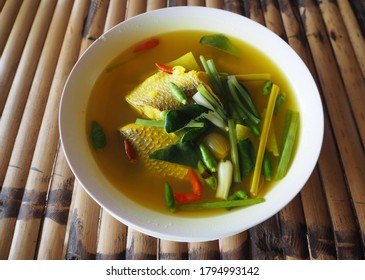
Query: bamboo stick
(195,2)
(234,247)
(204,250)
(343,221)
(169,250)
(272,17)
(14,47)
(82,242)
(135,7)
(8,15)
(83,228)
(219,4)
(2,3)
(174,3)
(320,235)
(112,238)
(27,226)
(156,4)
(57,210)
(234,6)
(266,240)
(112,235)
(350,70)
(353,29)
(116,13)
(345,130)
(140,246)
(253,11)
(17,172)
(14,106)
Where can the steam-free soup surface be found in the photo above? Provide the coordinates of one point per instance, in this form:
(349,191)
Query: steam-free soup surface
(108,107)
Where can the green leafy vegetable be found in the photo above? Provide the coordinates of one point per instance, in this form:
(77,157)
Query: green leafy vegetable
(186,153)
(180,117)
(221,42)
(98,138)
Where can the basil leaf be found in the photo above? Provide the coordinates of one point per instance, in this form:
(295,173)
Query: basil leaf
(180,117)
(186,153)
(221,42)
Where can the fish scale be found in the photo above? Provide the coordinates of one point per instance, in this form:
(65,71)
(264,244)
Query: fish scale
(146,140)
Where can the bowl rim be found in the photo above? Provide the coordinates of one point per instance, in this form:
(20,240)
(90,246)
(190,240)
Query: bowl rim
(184,229)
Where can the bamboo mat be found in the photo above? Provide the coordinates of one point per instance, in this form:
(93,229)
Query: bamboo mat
(46,214)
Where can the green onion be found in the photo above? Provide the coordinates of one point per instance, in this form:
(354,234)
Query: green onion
(246,156)
(234,151)
(290,131)
(279,102)
(266,88)
(217,107)
(266,167)
(222,204)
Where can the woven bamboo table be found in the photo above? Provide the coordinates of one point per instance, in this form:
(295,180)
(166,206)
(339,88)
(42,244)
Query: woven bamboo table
(46,214)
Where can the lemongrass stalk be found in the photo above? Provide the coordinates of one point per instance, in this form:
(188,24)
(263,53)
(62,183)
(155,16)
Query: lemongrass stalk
(263,139)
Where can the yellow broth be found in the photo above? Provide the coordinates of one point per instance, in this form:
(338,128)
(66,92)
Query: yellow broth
(108,107)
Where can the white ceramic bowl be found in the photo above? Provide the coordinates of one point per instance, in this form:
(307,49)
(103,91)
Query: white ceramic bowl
(108,46)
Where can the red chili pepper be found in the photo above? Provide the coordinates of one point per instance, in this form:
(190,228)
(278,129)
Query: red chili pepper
(129,151)
(149,44)
(196,184)
(184,198)
(165,68)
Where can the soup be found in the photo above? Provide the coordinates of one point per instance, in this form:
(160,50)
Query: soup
(107,106)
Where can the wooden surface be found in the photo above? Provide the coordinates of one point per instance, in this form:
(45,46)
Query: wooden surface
(46,214)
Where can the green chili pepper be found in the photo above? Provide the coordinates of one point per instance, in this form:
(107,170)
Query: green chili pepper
(178,93)
(208,158)
(266,88)
(98,138)
(169,198)
(207,176)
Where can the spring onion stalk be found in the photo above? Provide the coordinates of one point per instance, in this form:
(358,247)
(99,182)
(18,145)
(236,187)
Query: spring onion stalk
(169,197)
(279,102)
(266,167)
(207,69)
(234,151)
(240,105)
(215,76)
(225,174)
(290,131)
(222,204)
(217,107)
(145,122)
(263,140)
(245,95)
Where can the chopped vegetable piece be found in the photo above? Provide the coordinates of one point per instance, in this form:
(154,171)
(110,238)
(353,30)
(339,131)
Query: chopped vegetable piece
(207,176)
(218,144)
(186,153)
(263,139)
(279,102)
(187,61)
(266,88)
(222,204)
(225,174)
(129,151)
(234,151)
(266,167)
(196,185)
(149,44)
(169,198)
(292,118)
(184,198)
(178,93)
(98,138)
(242,132)
(208,158)
(221,42)
(165,68)
(149,122)
(246,156)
